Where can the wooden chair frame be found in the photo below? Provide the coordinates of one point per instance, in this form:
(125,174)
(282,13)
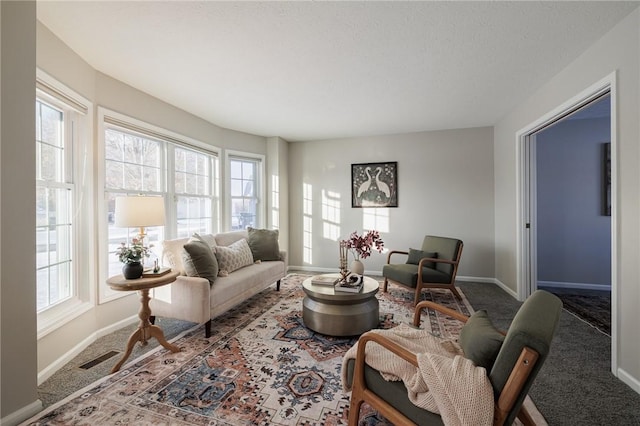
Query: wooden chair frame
(361,393)
(420,284)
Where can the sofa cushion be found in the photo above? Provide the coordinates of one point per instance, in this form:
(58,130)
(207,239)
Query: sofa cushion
(233,257)
(199,260)
(263,244)
(416,255)
(480,341)
(228,238)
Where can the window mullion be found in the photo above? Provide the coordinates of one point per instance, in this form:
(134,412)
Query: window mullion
(171,201)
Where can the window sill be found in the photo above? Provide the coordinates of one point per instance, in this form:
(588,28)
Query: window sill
(56,317)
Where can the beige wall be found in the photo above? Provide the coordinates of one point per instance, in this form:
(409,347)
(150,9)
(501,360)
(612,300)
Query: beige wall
(457,182)
(278,188)
(56,59)
(17,197)
(619,52)
(445,187)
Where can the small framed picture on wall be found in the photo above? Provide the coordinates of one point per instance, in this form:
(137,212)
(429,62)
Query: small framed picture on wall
(606,179)
(374,184)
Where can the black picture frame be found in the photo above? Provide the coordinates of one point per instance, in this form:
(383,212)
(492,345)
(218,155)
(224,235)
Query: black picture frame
(606,179)
(374,184)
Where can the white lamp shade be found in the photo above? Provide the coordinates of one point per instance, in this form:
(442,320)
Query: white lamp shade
(137,211)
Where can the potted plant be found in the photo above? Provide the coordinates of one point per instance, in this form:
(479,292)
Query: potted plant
(361,246)
(132,257)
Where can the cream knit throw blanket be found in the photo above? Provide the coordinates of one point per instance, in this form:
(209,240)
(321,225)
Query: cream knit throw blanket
(444,383)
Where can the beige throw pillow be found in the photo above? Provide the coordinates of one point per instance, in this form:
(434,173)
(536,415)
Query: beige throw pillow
(233,257)
(172,254)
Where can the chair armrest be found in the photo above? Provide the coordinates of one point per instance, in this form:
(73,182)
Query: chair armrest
(360,392)
(435,260)
(395,252)
(387,344)
(426,304)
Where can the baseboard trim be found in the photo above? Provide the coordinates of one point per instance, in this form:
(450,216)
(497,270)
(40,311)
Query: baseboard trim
(629,380)
(312,269)
(495,281)
(22,414)
(581,286)
(50,369)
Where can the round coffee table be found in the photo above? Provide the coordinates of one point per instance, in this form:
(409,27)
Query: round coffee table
(336,313)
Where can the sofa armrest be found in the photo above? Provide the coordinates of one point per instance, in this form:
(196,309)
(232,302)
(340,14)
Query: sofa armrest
(187,299)
(284,257)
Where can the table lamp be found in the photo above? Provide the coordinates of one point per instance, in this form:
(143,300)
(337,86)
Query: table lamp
(139,211)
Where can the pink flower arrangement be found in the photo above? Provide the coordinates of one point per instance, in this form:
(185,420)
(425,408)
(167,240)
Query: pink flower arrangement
(361,246)
(134,253)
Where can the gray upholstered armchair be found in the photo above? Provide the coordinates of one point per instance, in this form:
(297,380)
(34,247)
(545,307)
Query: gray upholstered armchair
(435,265)
(512,362)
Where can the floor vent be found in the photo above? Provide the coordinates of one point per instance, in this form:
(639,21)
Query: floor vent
(101,358)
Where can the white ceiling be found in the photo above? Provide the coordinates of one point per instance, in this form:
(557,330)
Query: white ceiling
(320,70)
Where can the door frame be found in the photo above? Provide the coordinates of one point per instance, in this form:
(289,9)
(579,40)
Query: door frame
(526,195)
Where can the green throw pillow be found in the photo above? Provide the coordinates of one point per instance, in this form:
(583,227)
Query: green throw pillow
(480,341)
(263,244)
(416,255)
(199,260)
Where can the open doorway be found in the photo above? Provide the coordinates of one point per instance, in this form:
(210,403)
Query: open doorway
(573,211)
(527,238)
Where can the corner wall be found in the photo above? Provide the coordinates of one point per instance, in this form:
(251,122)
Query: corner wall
(18,362)
(278,188)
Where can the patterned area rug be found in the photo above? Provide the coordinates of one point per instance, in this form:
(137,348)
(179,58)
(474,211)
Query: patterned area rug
(261,366)
(593,307)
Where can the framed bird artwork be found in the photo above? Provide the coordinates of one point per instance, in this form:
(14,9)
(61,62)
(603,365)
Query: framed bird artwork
(374,184)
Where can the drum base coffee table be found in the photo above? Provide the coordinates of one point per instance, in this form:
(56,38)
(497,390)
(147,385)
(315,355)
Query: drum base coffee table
(336,313)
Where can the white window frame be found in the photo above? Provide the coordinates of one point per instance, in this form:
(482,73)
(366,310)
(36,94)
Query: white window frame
(261,208)
(214,167)
(111,119)
(78,124)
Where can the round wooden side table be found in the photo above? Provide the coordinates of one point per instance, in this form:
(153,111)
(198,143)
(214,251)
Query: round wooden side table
(145,330)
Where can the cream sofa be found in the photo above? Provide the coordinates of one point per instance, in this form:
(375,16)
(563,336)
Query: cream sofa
(196,299)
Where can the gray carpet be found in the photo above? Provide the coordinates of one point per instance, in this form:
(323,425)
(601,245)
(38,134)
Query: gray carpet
(575,386)
(72,377)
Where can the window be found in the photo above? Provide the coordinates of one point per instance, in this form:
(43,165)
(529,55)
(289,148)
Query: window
(194,192)
(54,203)
(140,158)
(63,204)
(134,165)
(245,178)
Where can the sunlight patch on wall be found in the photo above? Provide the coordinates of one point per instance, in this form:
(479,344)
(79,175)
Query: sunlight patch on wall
(375,219)
(275,201)
(330,215)
(307,223)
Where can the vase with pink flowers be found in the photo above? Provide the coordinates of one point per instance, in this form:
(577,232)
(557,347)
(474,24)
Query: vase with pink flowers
(361,246)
